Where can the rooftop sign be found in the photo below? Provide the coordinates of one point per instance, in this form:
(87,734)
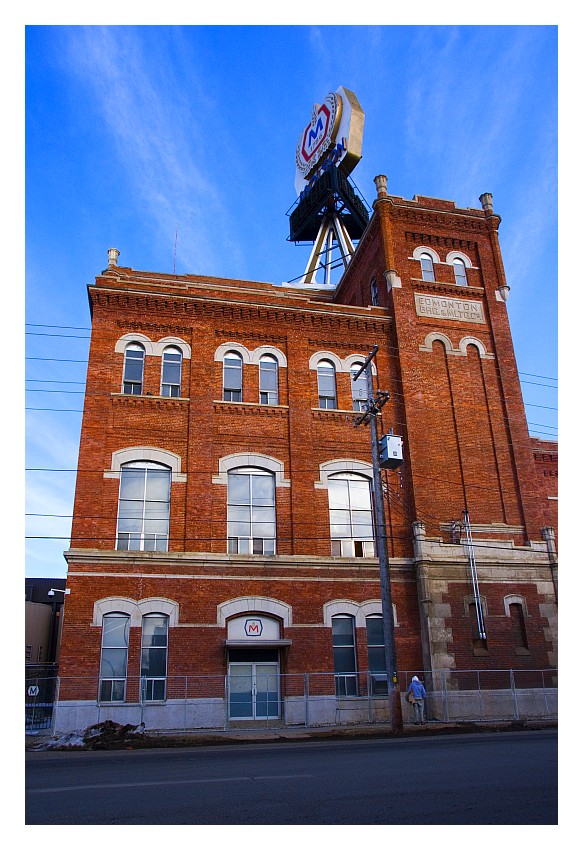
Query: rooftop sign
(333,137)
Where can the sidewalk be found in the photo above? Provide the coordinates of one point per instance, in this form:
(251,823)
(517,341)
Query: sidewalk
(151,739)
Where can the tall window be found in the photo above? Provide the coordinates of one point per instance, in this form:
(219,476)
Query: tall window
(144,507)
(171,372)
(232,377)
(427,272)
(133,369)
(518,626)
(343,647)
(268,384)
(374,293)
(326,384)
(351,523)
(359,388)
(375,639)
(459,270)
(479,642)
(154,657)
(114,657)
(251,512)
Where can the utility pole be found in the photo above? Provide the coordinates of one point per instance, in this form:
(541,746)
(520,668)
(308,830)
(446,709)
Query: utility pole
(369,417)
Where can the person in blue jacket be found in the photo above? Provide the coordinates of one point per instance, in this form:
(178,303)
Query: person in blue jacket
(417,690)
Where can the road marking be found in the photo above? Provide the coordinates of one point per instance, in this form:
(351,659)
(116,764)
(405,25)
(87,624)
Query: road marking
(107,786)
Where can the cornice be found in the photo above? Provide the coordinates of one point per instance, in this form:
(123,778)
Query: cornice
(116,562)
(447,288)
(158,327)
(165,402)
(224,333)
(462,219)
(244,408)
(422,238)
(310,314)
(333,415)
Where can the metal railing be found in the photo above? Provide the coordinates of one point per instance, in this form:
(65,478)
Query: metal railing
(295,700)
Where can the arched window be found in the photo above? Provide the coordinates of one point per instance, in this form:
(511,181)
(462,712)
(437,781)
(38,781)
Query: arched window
(251,512)
(518,626)
(114,657)
(459,270)
(344,650)
(326,384)
(351,524)
(232,377)
(133,369)
(359,388)
(268,383)
(144,507)
(154,661)
(427,271)
(171,372)
(374,293)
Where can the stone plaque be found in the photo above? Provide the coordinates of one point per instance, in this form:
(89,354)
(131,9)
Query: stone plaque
(456,309)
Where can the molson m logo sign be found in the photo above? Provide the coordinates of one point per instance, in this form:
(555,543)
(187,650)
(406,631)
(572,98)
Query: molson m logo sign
(253,628)
(318,135)
(333,137)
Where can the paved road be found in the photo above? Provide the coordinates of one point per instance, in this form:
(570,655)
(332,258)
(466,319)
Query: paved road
(497,778)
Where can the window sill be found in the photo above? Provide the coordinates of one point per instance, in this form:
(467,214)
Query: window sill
(521,650)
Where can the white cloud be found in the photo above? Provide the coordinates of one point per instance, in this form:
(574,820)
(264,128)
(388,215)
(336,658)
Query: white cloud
(162,137)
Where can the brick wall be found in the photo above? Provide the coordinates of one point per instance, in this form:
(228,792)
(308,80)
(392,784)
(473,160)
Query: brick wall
(456,402)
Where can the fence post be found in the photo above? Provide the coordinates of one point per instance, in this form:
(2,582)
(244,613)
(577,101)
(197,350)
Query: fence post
(480,697)
(55,703)
(444,696)
(307,698)
(369,695)
(542,673)
(514,697)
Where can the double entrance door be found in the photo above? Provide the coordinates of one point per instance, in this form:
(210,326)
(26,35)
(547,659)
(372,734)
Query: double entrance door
(253,685)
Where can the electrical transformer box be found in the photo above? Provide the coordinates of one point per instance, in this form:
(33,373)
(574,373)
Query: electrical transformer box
(390,451)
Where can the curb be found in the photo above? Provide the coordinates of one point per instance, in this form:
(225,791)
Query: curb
(153,740)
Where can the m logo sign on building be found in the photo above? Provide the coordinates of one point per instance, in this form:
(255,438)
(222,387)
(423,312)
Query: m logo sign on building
(253,628)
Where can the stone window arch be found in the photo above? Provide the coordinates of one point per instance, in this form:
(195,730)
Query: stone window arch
(223,349)
(459,255)
(145,453)
(173,342)
(471,340)
(260,604)
(135,609)
(265,350)
(437,336)
(333,467)
(230,462)
(139,338)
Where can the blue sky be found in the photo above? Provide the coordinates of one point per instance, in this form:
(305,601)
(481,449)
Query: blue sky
(134,133)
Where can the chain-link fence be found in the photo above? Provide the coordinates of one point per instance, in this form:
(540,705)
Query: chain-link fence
(267,699)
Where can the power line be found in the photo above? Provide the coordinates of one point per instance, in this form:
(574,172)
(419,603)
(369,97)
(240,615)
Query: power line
(104,393)
(401,538)
(390,349)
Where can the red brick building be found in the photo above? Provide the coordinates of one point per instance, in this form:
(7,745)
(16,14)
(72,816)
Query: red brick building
(222,552)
